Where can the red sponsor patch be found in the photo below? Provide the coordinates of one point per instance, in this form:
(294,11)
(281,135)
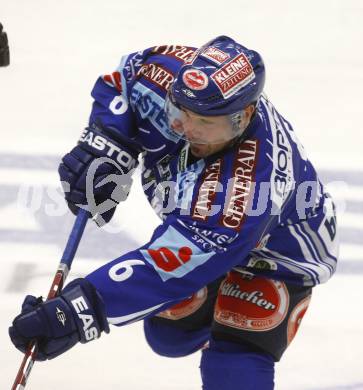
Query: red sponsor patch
(296,317)
(156,74)
(113,80)
(233,75)
(216,55)
(186,307)
(255,304)
(239,186)
(195,79)
(181,53)
(167,260)
(207,191)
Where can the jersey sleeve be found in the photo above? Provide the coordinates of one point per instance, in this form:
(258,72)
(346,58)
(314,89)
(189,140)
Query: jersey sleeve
(183,255)
(111,93)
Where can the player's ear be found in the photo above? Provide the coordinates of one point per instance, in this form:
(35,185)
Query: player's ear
(246,116)
(249,110)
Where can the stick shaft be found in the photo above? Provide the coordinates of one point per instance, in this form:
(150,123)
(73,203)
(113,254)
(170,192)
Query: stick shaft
(56,287)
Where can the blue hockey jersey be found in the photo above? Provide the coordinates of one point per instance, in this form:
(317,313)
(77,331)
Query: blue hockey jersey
(257,207)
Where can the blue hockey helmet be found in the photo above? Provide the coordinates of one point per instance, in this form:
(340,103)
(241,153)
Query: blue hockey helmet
(222,78)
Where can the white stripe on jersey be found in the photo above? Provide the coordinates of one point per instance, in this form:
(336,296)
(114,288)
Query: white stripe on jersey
(133,316)
(315,255)
(324,254)
(311,272)
(324,273)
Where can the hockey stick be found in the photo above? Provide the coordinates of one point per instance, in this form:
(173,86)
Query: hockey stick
(56,287)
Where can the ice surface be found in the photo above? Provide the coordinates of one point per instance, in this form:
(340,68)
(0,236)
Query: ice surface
(58,48)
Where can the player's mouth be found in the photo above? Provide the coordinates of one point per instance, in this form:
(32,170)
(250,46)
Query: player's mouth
(199,150)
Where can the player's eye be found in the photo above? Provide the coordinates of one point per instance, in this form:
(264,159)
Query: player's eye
(205,121)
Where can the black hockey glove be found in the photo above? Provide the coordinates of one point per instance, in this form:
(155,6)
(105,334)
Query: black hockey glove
(97,172)
(76,315)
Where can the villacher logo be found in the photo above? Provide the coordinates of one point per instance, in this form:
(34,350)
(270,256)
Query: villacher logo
(256,297)
(257,304)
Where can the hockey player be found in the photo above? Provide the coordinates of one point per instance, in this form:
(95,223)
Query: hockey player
(246,230)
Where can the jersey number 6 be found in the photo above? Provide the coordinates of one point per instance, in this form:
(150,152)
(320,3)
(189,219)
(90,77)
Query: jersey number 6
(126,265)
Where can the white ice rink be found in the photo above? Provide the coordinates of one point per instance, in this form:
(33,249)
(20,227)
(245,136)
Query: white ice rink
(314,58)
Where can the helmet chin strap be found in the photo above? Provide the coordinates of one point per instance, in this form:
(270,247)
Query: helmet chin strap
(243,123)
(239,123)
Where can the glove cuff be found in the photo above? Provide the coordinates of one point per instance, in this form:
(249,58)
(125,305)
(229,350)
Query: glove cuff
(88,309)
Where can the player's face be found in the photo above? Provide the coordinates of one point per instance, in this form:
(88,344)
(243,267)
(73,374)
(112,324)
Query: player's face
(206,134)
(202,129)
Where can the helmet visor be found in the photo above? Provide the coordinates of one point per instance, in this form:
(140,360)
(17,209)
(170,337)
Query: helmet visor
(200,129)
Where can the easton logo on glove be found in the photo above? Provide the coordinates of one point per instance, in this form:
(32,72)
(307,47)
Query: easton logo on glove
(97,172)
(61,316)
(111,150)
(80,306)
